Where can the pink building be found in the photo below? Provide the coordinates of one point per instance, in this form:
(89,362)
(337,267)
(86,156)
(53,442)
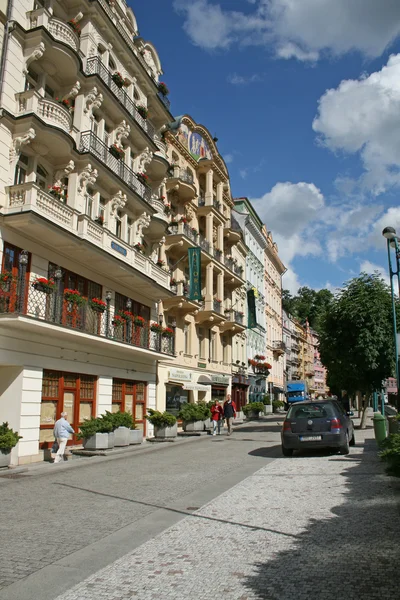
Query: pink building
(320,372)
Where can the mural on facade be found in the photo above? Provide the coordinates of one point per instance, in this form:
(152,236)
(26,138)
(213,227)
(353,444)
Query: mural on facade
(194,142)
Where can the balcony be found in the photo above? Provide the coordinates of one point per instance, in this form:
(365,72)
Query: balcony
(232,230)
(211,311)
(185,182)
(60,30)
(94,66)
(233,266)
(215,204)
(180,303)
(278,347)
(23,306)
(89,142)
(41,216)
(204,244)
(234,321)
(51,112)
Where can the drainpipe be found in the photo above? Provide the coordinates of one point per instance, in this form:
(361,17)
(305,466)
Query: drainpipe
(8,28)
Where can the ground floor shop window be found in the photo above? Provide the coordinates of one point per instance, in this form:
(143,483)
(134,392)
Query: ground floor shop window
(175,397)
(72,393)
(239,394)
(218,393)
(130,396)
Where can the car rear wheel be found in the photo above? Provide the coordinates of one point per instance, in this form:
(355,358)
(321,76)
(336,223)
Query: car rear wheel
(353,440)
(345,449)
(287,451)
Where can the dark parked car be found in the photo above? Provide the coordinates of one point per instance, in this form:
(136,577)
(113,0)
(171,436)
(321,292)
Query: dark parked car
(317,424)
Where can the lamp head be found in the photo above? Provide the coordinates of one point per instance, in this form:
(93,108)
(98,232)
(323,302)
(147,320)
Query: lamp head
(389,233)
(108,296)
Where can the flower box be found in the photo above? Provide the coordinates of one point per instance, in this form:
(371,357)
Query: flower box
(5,458)
(139,321)
(168,332)
(41,284)
(143,112)
(165,432)
(118,79)
(122,436)
(126,315)
(116,151)
(69,104)
(160,263)
(75,26)
(57,192)
(75,297)
(98,305)
(143,178)
(156,328)
(118,321)
(98,441)
(163,89)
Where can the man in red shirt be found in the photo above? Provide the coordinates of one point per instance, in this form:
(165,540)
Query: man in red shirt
(229,412)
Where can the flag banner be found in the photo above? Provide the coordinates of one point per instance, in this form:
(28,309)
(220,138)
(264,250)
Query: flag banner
(194,255)
(251,306)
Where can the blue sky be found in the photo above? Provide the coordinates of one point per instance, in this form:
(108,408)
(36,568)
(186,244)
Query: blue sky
(304,96)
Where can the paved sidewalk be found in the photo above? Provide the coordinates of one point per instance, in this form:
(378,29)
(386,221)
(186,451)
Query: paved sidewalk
(317,527)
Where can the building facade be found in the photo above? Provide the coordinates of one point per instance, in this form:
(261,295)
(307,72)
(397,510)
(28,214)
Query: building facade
(256,334)
(211,330)
(82,168)
(320,373)
(275,354)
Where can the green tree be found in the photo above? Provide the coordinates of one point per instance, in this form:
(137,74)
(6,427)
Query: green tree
(356,335)
(308,305)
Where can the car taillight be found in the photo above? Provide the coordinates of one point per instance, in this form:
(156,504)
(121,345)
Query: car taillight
(286,426)
(336,425)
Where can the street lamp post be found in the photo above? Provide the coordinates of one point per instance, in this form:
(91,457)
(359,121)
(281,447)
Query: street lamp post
(393,242)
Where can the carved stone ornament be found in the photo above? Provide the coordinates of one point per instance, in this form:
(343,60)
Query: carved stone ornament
(118,202)
(122,132)
(145,159)
(93,101)
(190,214)
(21,141)
(62,173)
(87,177)
(215,235)
(74,90)
(142,223)
(148,57)
(36,54)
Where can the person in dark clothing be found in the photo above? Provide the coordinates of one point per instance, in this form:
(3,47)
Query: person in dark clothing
(229,412)
(345,401)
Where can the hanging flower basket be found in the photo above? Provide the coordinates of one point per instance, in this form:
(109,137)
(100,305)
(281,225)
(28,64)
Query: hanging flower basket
(142,110)
(41,284)
(259,356)
(75,297)
(126,315)
(139,321)
(143,178)
(118,79)
(139,247)
(156,327)
(118,321)
(5,277)
(162,88)
(168,332)
(116,151)
(98,305)
(75,26)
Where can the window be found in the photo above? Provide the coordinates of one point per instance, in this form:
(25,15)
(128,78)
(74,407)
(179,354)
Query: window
(89,202)
(213,346)
(118,224)
(49,93)
(71,280)
(186,336)
(225,349)
(202,342)
(21,170)
(70,392)
(102,208)
(130,396)
(31,80)
(41,177)
(137,309)
(130,231)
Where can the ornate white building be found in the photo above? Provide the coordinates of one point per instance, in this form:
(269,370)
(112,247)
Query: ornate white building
(81,171)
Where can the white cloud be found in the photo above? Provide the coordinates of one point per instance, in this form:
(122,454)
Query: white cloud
(236,79)
(228,158)
(362,116)
(299,29)
(368,267)
(290,281)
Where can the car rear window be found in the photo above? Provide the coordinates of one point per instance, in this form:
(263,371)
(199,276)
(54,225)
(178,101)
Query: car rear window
(311,411)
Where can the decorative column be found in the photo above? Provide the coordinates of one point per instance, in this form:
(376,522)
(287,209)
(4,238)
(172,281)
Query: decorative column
(209,188)
(220,191)
(220,287)
(209,285)
(221,238)
(209,229)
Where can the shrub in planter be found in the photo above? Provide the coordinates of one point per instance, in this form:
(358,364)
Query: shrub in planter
(253,409)
(277,405)
(267,400)
(121,423)
(164,423)
(92,438)
(391,454)
(8,440)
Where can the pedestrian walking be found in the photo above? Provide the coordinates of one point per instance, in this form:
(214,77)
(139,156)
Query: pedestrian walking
(216,417)
(62,431)
(229,412)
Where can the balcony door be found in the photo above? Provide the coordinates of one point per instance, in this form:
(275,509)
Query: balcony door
(10,289)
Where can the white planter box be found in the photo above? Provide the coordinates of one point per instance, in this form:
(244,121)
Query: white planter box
(193,425)
(252,415)
(122,436)
(135,436)
(166,432)
(5,458)
(267,409)
(111,439)
(239,417)
(98,441)
(207,424)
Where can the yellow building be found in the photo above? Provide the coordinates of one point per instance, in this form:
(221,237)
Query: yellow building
(210,331)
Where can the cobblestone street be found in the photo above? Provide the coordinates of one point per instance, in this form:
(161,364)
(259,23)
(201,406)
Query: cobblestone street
(315,526)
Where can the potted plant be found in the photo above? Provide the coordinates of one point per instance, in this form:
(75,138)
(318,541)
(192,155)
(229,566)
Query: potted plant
(142,110)
(192,416)
(156,327)
(390,453)
(118,321)
(8,440)
(122,423)
(163,89)
(126,315)
(277,405)
(139,247)
(75,26)
(118,79)
(205,407)
(165,425)
(116,151)
(75,297)
(99,220)
(168,332)
(67,103)
(42,284)
(92,438)
(98,305)
(167,208)
(267,404)
(139,321)
(5,278)
(56,191)
(143,178)
(253,409)
(160,262)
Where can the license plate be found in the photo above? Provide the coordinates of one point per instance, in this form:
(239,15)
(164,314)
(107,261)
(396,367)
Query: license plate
(310,438)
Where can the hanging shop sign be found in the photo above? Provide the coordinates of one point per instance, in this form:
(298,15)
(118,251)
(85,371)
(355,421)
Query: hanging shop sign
(180,375)
(194,255)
